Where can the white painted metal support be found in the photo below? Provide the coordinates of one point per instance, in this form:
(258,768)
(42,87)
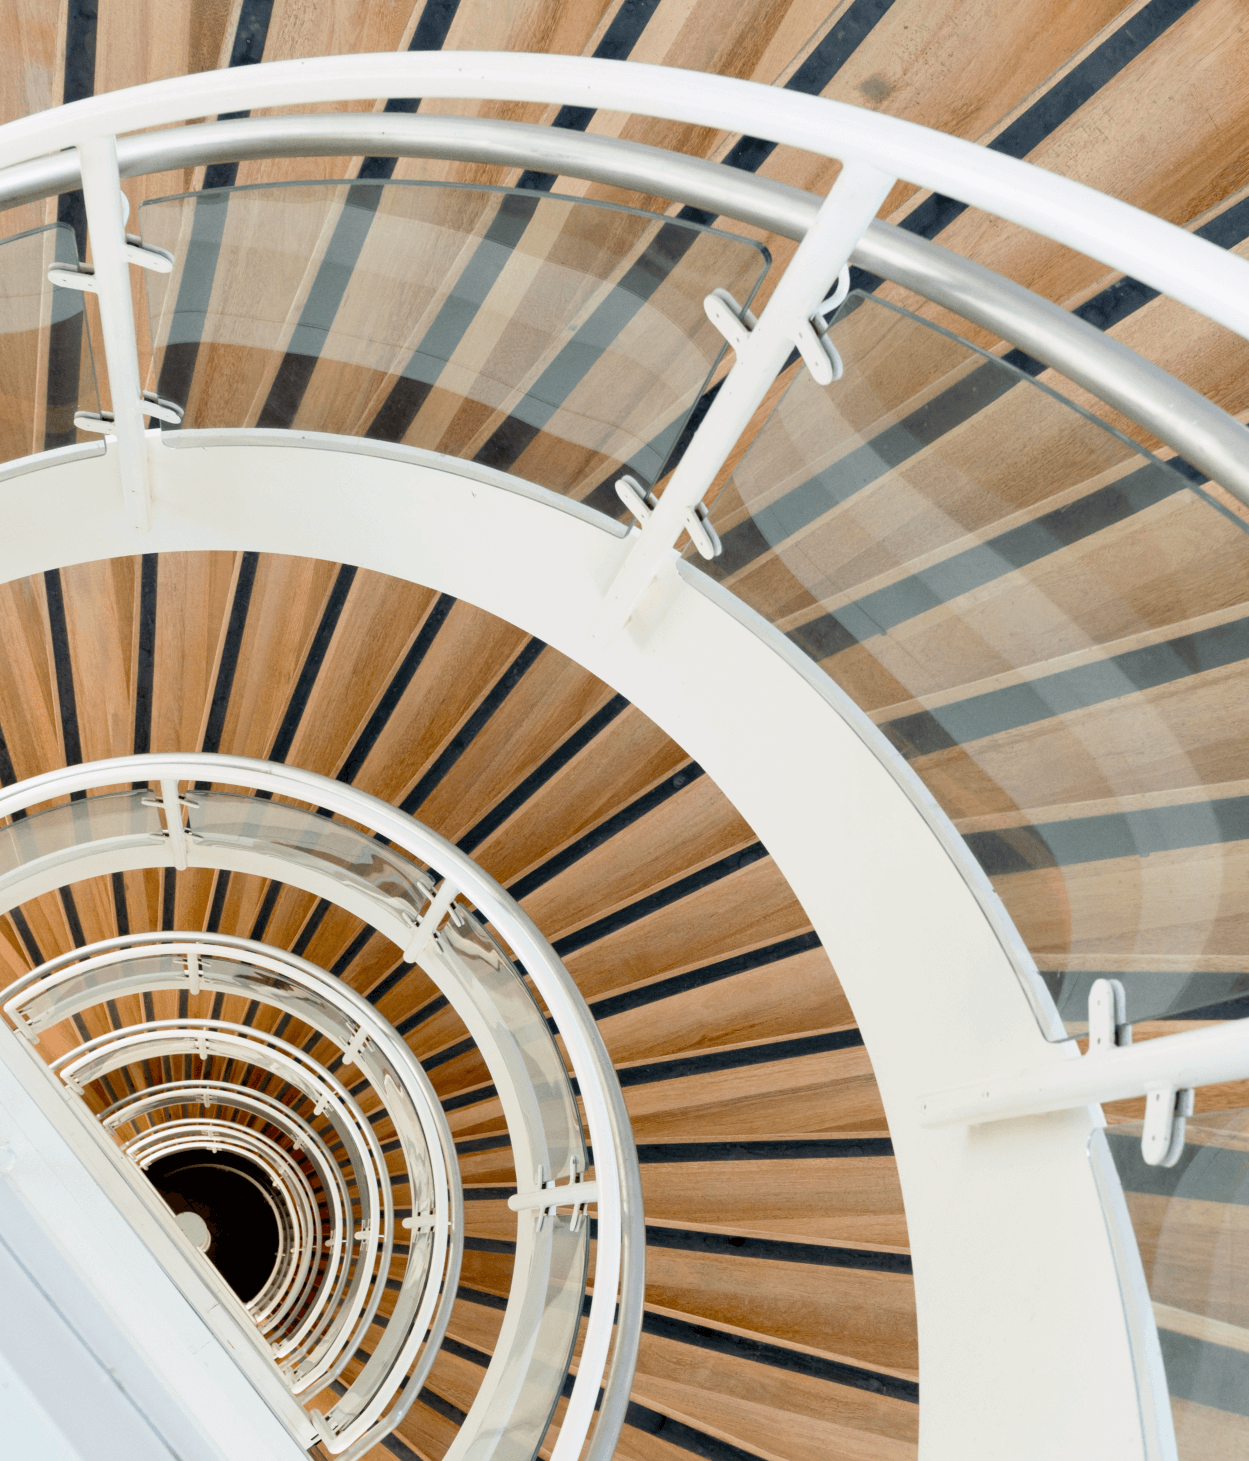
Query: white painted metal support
(1162,1141)
(193,970)
(845,213)
(430,921)
(110,256)
(352,1051)
(1177,1063)
(576,1193)
(1108,1016)
(642,503)
(171,805)
(547,1199)
(154,405)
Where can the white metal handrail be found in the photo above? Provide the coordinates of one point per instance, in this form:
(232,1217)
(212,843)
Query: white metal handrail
(1165,1070)
(209,1094)
(295,1215)
(225,964)
(1195,272)
(230,1041)
(1195,427)
(874,151)
(473,970)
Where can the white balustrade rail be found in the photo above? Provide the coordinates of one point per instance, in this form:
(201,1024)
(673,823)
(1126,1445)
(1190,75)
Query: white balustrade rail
(391,884)
(875,150)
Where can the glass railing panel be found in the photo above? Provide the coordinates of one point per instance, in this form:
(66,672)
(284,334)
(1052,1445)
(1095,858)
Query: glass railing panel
(1192,1228)
(46,371)
(556,338)
(106,823)
(1050,624)
(323,845)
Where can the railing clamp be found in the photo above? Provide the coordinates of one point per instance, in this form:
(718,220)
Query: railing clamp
(1166,1108)
(818,352)
(175,831)
(575,1193)
(1108,1016)
(421,1222)
(355,1046)
(102,422)
(1162,1140)
(642,503)
(193,972)
(427,926)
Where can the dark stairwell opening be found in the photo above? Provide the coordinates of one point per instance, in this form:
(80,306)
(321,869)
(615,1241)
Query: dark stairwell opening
(227,1193)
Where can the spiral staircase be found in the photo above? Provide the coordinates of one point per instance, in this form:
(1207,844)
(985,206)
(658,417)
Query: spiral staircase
(1003,562)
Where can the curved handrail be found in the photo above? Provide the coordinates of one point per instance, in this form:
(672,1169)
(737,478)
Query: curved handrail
(303,1137)
(1197,273)
(232,1041)
(296,1225)
(1192,425)
(621,1234)
(116,967)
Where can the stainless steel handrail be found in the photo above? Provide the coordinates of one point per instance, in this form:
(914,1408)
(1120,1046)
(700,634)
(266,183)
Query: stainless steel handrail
(1194,427)
(145,1102)
(297,1218)
(418,928)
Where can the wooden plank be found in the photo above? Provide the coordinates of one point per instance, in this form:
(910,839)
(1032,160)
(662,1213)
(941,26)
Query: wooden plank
(851,1200)
(553,699)
(1193,1252)
(626,758)
(745,910)
(1172,901)
(690,830)
(1214,1435)
(778,1414)
(1111,143)
(379,621)
(101,616)
(786,998)
(849,1314)
(287,601)
(1192,726)
(31,80)
(194,593)
(28,703)
(828,1094)
(439,698)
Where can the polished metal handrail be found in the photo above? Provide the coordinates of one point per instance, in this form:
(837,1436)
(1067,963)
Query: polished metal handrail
(141,964)
(333,1184)
(295,1216)
(1191,425)
(337,860)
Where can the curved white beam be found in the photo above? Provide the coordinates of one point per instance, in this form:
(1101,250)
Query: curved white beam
(1017,1205)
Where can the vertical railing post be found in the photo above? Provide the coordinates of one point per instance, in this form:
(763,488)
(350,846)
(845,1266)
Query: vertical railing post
(845,213)
(101,188)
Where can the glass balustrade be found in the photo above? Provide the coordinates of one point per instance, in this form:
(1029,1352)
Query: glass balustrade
(366,1119)
(1192,1228)
(46,367)
(557,338)
(1048,622)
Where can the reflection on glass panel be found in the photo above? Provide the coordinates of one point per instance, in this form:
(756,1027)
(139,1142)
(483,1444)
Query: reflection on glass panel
(1048,623)
(1192,1228)
(319,843)
(116,819)
(559,339)
(46,372)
